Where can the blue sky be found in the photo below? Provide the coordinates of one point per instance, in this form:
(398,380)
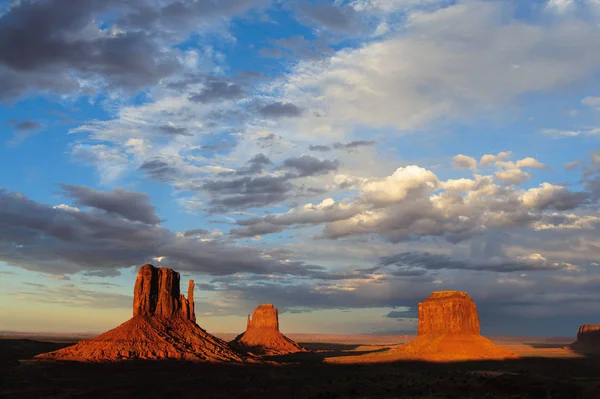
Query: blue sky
(341,160)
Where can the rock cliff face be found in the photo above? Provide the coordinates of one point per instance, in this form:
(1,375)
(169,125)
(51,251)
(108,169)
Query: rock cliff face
(448,330)
(448,312)
(588,339)
(162,327)
(262,334)
(589,333)
(156,293)
(264,316)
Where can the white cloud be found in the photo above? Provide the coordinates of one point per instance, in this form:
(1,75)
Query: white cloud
(530,162)
(489,159)
(592,102)
(413,202)
(461,161)
(560,6)
(396,187)
(571,133)
(65,207)
(434,70)
(512,176)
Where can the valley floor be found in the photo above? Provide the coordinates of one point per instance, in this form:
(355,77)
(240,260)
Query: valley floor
(547,370)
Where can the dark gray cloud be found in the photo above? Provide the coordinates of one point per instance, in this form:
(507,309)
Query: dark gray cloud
(354,144)
(25,125)
(256,165)
(174,131)
(129,204)
(408,261)
(280,110)
(159,170)
(48,37)
(195,232)
(342,19)
(341,146)
(44,44)
(320,148)
(299,216)
(218,91)
(256,191)
(256,229)
(41,238)
(248,192)
(402,315)
(268,141)
(307,165)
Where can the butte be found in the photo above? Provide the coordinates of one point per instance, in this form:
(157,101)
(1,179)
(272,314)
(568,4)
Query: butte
(262,336)
(163,326)
(449,331)
(588,339)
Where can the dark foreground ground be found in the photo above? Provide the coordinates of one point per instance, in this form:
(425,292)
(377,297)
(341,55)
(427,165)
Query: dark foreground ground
(301,376)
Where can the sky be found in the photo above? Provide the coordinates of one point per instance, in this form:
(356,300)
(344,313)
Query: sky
(341,160)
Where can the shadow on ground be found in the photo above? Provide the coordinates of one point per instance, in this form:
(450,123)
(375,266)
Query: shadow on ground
(535,378)
(538,345)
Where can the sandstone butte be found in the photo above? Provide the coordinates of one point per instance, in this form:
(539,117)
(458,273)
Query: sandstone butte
(163,326)
(588,339)
(262,336)
(448,330)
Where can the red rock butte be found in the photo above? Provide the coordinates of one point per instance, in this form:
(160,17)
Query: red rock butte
(163,326)
(448,330)
(262,334)
(588,339)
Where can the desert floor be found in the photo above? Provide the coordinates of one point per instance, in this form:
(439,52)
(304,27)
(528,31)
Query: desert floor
(547,370)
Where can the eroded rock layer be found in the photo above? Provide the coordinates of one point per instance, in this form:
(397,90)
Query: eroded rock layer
(163,327)
(262,334)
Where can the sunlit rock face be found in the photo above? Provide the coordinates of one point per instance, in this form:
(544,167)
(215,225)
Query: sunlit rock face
(262,334)
(448,330)
(265,316)
(163,326)
(448,312)
(156,293)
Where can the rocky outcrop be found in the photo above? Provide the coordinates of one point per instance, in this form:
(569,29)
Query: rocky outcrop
(262,334)
(588,339)
(265,316)
(448,312)
(156,293)
(589,333)
(448,330)
(162,327)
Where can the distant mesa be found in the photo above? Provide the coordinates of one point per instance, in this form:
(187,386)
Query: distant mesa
(588,339)
(163,326)
(449,330)
(262,334)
